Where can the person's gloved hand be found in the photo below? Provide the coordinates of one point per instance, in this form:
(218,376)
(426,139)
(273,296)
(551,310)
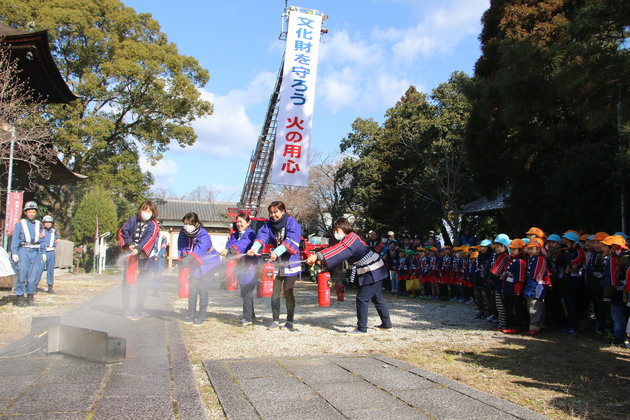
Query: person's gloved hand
(15,258)
(43,258)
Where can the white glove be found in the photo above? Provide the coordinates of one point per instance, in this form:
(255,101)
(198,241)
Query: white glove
(43,258)
(15,258)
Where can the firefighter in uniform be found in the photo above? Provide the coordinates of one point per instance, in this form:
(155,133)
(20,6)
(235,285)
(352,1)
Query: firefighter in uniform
(28,253)
(51,239)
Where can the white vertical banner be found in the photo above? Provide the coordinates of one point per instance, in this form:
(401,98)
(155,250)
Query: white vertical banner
(297,96)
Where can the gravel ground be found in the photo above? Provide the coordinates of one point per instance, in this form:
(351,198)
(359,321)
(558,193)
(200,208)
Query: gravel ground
(322,330)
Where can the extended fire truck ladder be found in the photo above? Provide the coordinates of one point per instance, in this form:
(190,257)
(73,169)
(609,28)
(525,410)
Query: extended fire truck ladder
(260,163)
(259,169)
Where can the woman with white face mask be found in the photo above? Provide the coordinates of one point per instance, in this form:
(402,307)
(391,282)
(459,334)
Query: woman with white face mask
(137,236)
(238,244)
(368,268)
(194,242)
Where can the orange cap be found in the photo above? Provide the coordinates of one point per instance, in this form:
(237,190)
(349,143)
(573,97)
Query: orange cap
(517,243)
(474,254)
(535,242)
(535,231)
(465,248)
(616,240)
(599,236)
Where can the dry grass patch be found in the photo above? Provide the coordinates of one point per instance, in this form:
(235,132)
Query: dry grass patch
(71,292)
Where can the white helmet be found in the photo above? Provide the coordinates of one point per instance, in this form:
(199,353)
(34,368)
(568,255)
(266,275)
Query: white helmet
(30,205)
(47,218)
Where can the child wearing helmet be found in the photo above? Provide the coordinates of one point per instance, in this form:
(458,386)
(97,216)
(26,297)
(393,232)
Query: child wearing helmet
(51,239)
(556,261)
(536,284)
(501,260)
(480,277)
(28,253)
(513,281)
(403,268)
(573,288)
(433,273)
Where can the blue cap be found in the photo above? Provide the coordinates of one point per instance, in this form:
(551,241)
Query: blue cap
(623,235)
(554,237)
(503,239)
(590,238)
(526,240)
(485,242)
(572,236)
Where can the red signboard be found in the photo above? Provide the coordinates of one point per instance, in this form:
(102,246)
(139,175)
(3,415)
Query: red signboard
(14,211)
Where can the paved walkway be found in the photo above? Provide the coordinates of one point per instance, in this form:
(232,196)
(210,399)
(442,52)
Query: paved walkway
(155,380)
(348,387)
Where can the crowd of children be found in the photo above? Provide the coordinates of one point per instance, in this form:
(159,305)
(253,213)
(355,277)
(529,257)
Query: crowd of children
(524,285)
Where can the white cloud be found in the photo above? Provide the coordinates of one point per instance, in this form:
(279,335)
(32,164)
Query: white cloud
(229,131)
(439,29)
(365,72)
(163,171)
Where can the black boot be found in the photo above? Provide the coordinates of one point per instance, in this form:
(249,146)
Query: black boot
(20,301)
(30,301)
(50,289)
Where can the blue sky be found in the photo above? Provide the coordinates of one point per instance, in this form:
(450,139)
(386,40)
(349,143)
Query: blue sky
(374,51)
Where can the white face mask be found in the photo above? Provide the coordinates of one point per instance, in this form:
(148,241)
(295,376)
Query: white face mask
(384,240)
(189,228)
(145,215)
(339,235)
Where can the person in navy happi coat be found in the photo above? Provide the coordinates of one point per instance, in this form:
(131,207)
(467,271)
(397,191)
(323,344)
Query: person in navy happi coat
(237,246)
(195,244)
(137,237)
(284,234)
(368,268)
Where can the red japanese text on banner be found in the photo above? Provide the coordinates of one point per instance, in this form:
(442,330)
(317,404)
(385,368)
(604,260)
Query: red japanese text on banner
(15,211)
(297,95)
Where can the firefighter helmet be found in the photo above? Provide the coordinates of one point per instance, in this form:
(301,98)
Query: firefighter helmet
(30,205)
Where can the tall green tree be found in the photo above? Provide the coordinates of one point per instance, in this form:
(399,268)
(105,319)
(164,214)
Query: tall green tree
(137,92)
(551,88)
(97,204)
(412,173)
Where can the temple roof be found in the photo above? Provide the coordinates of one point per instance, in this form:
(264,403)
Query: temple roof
(36,64)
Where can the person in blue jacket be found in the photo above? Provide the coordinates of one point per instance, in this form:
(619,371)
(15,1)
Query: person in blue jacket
(284,233)
(137,237)
(28,252)
(51,239)
(236,247)
(195,245)
(368,267)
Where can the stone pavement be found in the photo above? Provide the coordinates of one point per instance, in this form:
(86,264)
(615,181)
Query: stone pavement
(348,387)
(155,380)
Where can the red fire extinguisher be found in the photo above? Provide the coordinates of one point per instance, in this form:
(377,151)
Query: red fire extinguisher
(184,283)
(230,275)
(341,291)
(323,288)
(131,273)
(265,287)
